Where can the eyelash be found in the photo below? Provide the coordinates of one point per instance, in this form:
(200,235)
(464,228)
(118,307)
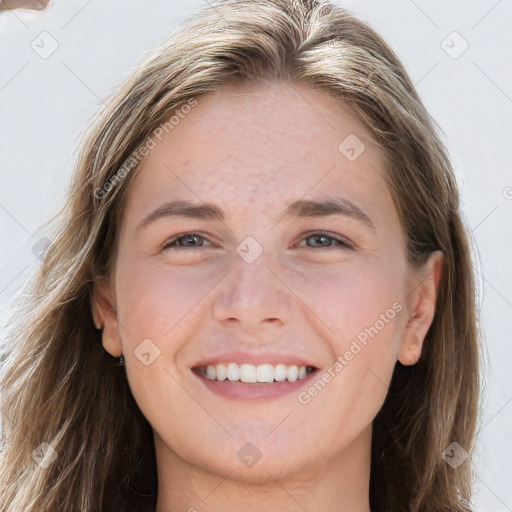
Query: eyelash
(343,244)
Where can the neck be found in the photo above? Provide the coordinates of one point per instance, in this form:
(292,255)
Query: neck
(340,483)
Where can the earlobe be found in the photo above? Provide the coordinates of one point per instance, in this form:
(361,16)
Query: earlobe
(410,352)
(422,306)
(113,346)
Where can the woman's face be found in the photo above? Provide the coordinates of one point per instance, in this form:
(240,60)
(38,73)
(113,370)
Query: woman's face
(294,255)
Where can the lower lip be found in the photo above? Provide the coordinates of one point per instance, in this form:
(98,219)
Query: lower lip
(242,391)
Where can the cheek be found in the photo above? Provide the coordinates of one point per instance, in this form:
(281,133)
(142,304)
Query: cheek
(354,387)
(350,300)
(359,312)
(155,302)
(160,304)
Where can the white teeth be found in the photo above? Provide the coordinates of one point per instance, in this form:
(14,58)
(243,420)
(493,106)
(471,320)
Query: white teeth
(251,373)
(233,372)
(280,372)
(222,372)
(210,372)
(292,373)
(265,373)
(248,373)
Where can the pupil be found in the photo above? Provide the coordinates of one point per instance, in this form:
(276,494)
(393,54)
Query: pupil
(189,238)
(322,237)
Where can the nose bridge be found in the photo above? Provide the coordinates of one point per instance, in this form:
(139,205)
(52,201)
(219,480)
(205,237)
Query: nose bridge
(252,293)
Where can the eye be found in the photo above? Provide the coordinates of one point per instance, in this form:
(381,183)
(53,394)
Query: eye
(189,240)
(322,241)
(326,241)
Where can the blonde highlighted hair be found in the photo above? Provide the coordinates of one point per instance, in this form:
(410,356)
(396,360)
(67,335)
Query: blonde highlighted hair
(59,386)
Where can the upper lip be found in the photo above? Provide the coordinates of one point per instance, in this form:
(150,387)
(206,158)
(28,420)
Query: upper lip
(241,357)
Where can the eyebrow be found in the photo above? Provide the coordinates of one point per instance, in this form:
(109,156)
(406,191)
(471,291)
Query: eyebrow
(299,208)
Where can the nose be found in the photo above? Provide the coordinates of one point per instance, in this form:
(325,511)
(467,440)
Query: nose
(255,296)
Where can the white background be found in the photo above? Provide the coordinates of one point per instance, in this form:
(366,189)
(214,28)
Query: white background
(45,103)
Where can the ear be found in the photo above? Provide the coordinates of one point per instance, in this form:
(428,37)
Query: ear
(422,306)
(105,315)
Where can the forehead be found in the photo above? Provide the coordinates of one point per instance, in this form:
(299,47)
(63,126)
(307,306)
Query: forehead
(256,144)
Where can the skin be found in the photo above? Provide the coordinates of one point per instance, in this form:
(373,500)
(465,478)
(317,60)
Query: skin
(252,149)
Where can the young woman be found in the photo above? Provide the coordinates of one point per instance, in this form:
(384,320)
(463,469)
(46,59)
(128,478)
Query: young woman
(260,292)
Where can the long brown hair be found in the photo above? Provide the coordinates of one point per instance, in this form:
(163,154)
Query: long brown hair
(60,386)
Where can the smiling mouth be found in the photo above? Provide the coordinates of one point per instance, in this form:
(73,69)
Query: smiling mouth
(254,374)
